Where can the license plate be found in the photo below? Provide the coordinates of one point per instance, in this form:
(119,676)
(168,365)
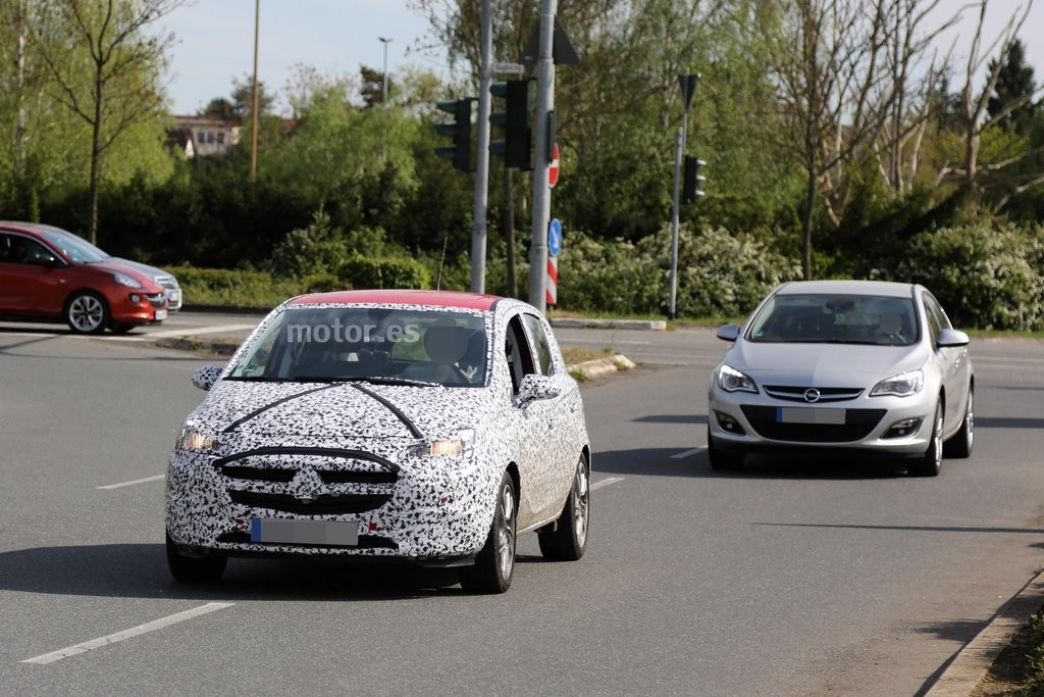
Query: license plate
(161,315)
(304,532)
(805,415)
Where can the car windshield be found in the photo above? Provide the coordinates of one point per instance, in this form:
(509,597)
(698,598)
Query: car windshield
(369,344)
(77,249)
(836,319)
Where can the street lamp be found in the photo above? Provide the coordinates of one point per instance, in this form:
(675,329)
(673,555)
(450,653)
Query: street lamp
(385,40)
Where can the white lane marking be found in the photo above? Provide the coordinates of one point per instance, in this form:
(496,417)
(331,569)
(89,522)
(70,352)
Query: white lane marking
(86,646)
(630,342)
(189,331)
(132,482)
(606,482)
(688,453)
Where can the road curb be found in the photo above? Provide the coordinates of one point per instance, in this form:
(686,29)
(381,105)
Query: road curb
(656,325)
(601,366)
(226,309)
(973,662)
(191,343)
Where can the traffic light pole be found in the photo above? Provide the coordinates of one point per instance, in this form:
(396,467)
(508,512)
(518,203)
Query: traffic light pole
(542,148)
(679,148)
(478,231)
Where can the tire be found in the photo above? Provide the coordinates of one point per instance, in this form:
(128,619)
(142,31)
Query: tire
(722,460)
(194,570)
(568,540)
(86,312)
(929,464)
(495,565)
(961,443)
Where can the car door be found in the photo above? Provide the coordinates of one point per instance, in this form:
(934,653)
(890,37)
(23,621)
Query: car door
(954,364)
(562,448)
(31,277)
(945,359)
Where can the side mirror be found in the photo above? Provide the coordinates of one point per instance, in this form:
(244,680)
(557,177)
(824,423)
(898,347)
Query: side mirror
(951,338)
(536,387)
(205,377)
(728,332)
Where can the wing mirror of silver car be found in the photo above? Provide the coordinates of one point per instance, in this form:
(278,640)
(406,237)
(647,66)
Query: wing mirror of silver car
(951,338)
(536,387)
(205,377)
(728,332)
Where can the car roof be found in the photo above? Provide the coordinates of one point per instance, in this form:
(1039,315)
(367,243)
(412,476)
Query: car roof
(881,288)
(31,228)
(437,298)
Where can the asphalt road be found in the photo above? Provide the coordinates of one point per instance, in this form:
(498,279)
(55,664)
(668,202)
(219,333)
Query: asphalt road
(789,578)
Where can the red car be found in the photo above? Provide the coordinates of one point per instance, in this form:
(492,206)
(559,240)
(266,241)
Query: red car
(49,274)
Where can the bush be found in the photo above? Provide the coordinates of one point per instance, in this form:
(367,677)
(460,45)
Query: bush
(318,248)
(385,272)
(986,273)
(234,287)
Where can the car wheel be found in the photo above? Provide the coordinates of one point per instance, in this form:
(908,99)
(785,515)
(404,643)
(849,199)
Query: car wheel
(960,445)
(568,540)
(722,460)
(495,564)
(929,464)
(192,569)
(87,313)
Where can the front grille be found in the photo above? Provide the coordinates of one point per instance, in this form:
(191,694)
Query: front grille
(157,300)
(167,282)
(365,541)
(858,425)
(261,474)
(325,504)
(826,394)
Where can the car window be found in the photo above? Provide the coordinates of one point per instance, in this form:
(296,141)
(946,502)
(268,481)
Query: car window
(936,309)
(15,249)
(934,325)
(345,343)
(6,249)
(821,318)
(542,347)
(79,250)
(518,354)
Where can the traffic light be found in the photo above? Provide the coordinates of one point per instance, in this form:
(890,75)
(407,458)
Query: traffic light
(692,179)
(514,120)
(459,131)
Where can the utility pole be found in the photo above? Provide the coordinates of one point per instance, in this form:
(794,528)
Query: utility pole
(254,97)
(384,88)
(688,87)
(542,125)
(478,215)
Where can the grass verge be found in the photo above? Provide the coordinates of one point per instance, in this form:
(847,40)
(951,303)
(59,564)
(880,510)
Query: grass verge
(1019,669)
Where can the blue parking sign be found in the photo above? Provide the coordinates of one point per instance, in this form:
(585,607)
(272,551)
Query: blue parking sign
(554,237)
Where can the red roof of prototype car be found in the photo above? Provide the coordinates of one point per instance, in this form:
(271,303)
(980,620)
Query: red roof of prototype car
(438,298)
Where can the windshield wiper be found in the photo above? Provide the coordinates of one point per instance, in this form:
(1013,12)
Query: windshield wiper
(256,378)
(833,341)
(372,380)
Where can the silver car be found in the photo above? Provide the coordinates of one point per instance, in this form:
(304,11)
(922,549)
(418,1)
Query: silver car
(856,365)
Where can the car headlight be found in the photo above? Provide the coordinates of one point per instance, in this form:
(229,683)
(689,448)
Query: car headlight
(125,280)
(732,380)
(193,440)
(901,385)
(454,447)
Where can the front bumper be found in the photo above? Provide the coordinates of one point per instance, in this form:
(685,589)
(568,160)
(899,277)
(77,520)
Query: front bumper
(867,421)
(434,510)
(128,306)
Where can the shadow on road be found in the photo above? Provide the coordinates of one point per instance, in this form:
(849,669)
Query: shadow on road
(1007,422)
(910,528)
(672,419)
(659,462)
(140,571)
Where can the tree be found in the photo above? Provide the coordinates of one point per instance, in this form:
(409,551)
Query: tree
(372,89)
(124,64)
(1015,85)
(221,109)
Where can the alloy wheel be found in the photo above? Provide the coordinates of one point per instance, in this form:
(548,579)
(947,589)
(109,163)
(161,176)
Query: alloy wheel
(86,313)
(506,532)
(581,502)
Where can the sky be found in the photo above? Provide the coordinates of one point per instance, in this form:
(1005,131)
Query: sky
(215,41)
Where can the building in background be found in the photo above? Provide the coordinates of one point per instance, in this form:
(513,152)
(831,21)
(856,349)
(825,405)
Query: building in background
(203,136)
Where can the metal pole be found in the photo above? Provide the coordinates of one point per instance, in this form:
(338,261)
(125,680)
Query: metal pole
(679,148)
(478,230)
(385,40)
(254,97)
(541,189)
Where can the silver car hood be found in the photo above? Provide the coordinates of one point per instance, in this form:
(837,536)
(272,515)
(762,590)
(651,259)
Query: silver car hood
(823,365)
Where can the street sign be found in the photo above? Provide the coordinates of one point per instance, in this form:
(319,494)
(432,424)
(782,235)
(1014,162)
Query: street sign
(554,237)
(551,294)
(509,69)
(553,168)
(562,50)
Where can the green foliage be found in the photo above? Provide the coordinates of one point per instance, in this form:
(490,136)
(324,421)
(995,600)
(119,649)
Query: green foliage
(987,273)
(315,249)
(385,272)
(236,288)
